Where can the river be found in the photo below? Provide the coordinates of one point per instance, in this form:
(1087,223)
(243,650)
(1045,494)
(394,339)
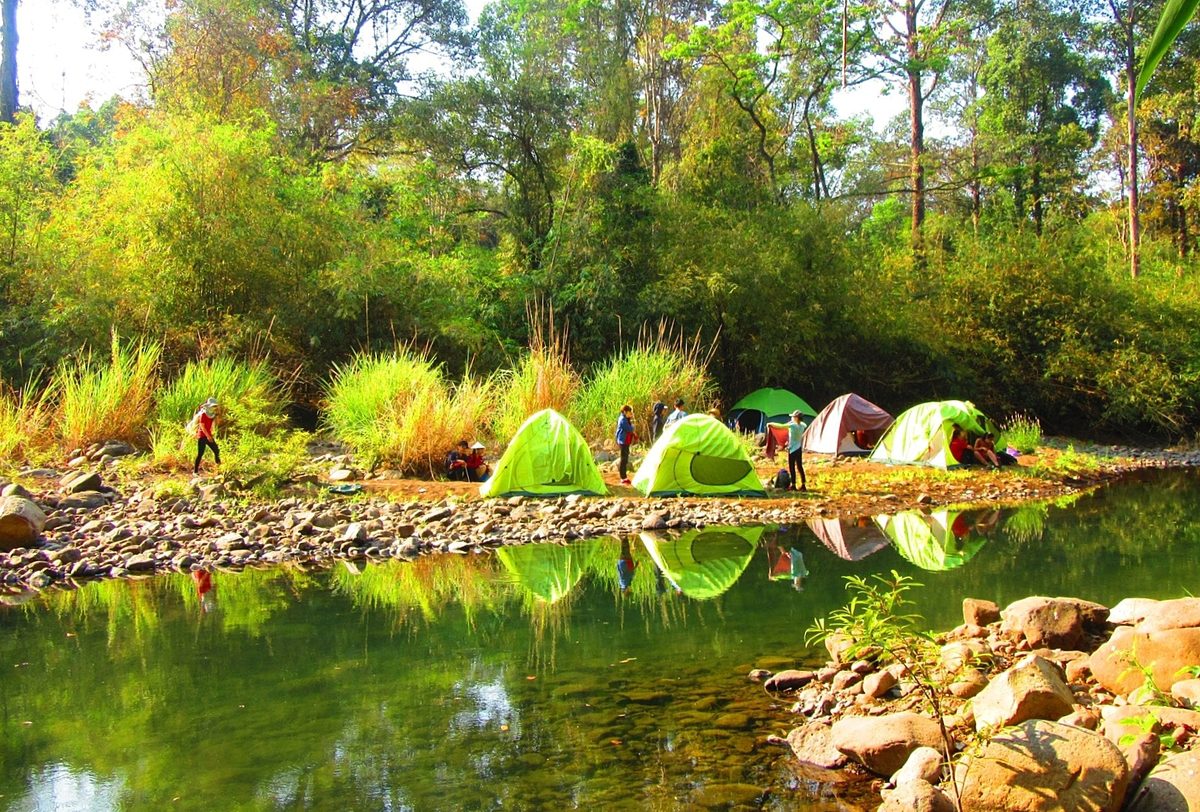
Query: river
(606,674)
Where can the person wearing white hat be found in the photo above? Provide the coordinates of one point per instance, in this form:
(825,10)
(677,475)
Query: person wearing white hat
(795,427)
(477,469)
(203,420)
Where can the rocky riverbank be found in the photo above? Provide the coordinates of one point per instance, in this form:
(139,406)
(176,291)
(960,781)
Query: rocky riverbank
(1048,704)
(58,528)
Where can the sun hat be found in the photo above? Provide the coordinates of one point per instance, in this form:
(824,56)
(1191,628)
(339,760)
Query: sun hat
(477,444)
(797,413)
(210,403)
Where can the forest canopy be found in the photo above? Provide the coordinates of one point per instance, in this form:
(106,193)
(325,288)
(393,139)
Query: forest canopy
(304,180)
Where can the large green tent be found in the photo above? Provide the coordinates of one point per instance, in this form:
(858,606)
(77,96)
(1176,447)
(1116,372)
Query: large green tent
(546,572)
(767,405)
(931,542)
(697,455)
(703,564)
(547,456)
(921,435)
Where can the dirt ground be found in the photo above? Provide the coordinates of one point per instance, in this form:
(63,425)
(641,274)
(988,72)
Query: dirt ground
(849,486)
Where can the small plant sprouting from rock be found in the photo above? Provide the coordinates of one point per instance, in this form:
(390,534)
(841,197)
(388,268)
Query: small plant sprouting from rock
(878,623)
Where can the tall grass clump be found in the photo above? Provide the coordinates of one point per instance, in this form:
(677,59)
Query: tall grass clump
(543,379)
(107,400)
(398,410)
(26,422)
(251,401)
(1022,432)
(660,368)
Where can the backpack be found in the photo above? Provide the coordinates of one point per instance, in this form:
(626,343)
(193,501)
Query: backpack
(783,480)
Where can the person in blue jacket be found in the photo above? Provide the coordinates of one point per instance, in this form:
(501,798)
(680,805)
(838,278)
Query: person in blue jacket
(625,438)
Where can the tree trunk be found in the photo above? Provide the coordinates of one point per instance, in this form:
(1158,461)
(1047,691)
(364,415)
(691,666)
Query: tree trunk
(1135,224)
(916,103)
(8,61)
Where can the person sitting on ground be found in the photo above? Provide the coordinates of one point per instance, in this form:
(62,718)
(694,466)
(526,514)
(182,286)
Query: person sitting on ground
(985,451)
(960,449)
(456,462)
(477,469)
(676,415)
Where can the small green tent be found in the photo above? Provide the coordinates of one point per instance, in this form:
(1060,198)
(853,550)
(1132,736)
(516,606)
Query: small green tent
(931,542)
(697,455)
(703,564)
(921,435)
(767,405)
(547,456)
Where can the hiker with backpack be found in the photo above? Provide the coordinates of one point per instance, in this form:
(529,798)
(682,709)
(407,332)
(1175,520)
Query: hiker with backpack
(202,424)
(625,438)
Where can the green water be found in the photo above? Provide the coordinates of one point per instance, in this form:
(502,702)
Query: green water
(526,681)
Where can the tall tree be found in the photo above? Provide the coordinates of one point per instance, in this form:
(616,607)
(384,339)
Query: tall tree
(1121,34)
(8,60)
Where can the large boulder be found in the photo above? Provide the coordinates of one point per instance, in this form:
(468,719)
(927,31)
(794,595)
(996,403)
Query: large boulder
(883,743)
(1031,689)
(1166,653)
(1131,610)
(977,612)
(1182,613)
(1172,786)
(21,521)
(916,796)
(1052,622)
(1043,765)
(813,744)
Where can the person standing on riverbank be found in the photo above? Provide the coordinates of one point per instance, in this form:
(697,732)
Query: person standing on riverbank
(657,420)
(203,420)
(795,428)
(625,438)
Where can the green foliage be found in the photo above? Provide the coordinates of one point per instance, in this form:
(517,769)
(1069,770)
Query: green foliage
(398,409)
(1020,431)
(26,423)
(658,369)
(261,463)
(110,400)
(249,396)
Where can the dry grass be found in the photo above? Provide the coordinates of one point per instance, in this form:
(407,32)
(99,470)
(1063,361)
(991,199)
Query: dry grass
(544,378)
(107,401)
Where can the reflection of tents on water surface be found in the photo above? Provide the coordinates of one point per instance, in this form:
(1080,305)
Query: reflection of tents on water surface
(703,564)
(847,538)
(548,572)
(939,541)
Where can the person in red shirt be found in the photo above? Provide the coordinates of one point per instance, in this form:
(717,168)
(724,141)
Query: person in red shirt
(204,433)
(960,449)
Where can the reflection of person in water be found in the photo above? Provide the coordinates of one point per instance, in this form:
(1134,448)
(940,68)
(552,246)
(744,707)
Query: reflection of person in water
(786,565)
(625,567)
(204,589)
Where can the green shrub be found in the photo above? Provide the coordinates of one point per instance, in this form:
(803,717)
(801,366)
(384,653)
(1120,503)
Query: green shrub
(107,402)
(26,422)
(264,464)
(250,399)
(1020,431)
(397,409)
(543,379)
(659,368)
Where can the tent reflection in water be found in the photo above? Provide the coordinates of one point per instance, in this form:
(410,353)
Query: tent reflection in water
(546,572)
(940,541)
(697,455)
(703,564)
(546,457)
(850,539)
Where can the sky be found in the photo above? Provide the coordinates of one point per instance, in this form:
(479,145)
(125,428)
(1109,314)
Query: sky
(61,64)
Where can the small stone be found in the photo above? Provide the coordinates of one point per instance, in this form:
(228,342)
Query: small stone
(877,684)
(924,764)
(980,612)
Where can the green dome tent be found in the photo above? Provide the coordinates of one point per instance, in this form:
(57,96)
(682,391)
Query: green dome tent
(767,405)
(546,572)
(921,435)
(703,564)
(931,542)
(697,455)
(547,456)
